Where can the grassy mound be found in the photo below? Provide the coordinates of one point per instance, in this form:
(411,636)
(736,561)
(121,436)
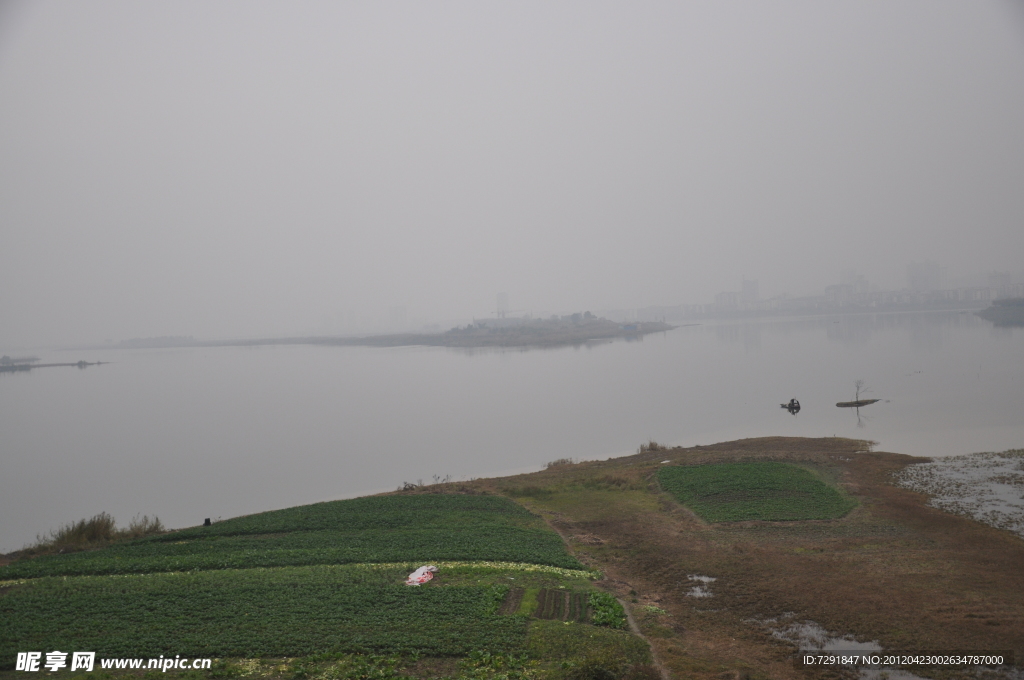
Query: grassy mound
(381,529)
(373,513)
(733,492)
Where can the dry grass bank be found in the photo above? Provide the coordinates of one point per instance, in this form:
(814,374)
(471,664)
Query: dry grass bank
(88,534)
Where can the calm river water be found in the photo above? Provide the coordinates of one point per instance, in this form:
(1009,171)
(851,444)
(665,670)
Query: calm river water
(217,432)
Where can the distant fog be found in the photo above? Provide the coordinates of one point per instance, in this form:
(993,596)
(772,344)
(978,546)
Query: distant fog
(241,168)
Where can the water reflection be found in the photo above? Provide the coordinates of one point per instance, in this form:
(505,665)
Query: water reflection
(860,418)
(928,331)
(747,333)
(851,330)
(928,335)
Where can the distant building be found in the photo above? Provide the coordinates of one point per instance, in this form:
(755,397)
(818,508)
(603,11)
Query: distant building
(749,291)
(927,276)
(727,300)
(1000,284)
(856,283)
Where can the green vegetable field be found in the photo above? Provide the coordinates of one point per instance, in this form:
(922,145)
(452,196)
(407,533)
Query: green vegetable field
(289,611)
(323,579)
(732,492)
(381,529)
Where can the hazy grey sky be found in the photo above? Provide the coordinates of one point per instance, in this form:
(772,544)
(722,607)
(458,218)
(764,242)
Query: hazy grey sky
(241,168)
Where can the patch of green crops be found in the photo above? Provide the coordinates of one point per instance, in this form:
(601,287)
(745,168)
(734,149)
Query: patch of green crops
(732,492)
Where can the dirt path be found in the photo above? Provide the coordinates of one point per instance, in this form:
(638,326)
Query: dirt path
(665,674)
(558,524)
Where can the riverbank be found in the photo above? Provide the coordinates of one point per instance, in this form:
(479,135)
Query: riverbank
(730,582)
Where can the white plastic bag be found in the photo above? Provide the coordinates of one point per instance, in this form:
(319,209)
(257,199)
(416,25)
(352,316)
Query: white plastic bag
(421,575)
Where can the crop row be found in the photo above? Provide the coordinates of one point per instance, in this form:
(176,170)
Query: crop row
(254,613)
(753,491)
(498,543)
(561,605)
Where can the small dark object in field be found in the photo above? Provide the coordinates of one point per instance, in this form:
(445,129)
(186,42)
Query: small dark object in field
(206,522)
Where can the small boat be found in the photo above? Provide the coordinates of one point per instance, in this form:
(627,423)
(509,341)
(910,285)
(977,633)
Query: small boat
(856,404)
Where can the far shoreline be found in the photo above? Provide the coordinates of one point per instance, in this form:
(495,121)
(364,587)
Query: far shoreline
(567,331)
